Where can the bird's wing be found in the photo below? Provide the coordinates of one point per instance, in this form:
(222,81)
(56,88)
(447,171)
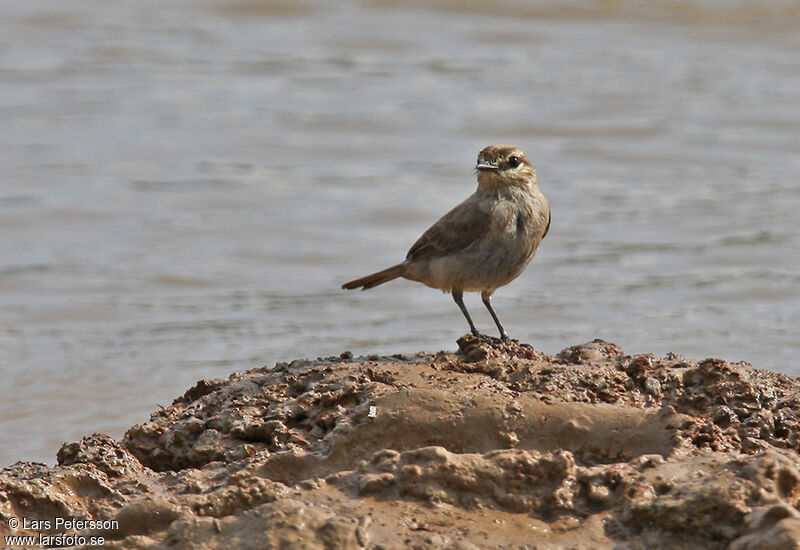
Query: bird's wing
(454,232)
(546,229)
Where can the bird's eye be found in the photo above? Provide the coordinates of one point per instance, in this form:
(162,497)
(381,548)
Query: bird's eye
(513,161)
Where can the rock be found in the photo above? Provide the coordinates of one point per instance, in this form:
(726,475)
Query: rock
(496,446)
(142,517)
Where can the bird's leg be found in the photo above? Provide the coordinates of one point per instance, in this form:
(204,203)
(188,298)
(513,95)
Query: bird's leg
(458,296)
(487,300)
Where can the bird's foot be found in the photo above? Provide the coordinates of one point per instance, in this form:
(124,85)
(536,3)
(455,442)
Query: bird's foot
(482,337)
(479,337)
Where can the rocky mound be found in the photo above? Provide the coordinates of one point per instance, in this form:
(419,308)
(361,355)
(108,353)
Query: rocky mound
(495,446)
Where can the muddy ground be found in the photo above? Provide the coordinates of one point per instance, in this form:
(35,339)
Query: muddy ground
(494,446)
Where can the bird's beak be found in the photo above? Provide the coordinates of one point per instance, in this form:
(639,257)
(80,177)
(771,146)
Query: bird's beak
(486,166)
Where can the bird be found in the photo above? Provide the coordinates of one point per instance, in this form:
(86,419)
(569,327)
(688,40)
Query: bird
(483,243)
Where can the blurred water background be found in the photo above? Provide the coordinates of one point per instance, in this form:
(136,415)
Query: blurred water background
(185,185)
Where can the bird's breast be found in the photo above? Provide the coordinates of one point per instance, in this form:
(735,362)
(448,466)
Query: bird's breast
(512,218)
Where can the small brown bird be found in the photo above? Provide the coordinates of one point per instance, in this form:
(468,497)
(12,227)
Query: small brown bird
(483,243)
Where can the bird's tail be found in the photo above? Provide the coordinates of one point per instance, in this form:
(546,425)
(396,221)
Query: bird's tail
(377,278)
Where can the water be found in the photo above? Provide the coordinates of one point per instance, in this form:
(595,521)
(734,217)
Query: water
(184,186)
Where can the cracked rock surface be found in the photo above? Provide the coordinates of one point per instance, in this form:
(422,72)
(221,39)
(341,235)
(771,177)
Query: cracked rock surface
(494,446)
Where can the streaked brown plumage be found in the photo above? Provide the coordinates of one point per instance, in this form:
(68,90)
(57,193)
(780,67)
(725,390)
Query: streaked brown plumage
(483,243)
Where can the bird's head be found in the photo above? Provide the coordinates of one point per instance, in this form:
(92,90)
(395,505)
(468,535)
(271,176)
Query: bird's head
(504,165)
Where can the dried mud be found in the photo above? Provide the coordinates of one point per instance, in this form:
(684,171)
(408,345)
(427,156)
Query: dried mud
(495,446)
